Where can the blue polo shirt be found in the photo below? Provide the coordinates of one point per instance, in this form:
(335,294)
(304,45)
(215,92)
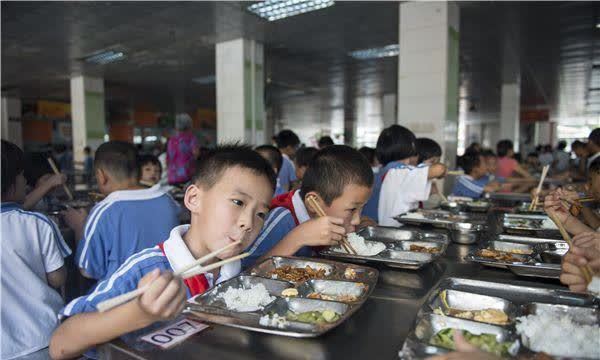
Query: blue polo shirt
(287,175)
(465,185)
(124,223)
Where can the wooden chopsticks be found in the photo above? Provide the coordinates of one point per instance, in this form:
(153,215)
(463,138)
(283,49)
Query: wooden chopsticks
(585,270)
(455,172)
(539,188)
(184,272)
(312,201)
(57,172)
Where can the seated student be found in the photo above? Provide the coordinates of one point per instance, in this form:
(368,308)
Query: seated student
(303,157)
(33,270)
(131,218)
(475,182)
(399,186)
(287,142)
(228,200)
(554,204)
(507,165)
(341,180)
(150,170)
(273,157)
(429,152)
(369,153)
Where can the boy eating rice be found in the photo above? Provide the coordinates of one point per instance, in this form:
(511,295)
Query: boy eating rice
(228,200)
(340,178)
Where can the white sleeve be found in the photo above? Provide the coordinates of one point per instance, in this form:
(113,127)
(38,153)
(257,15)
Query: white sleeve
(51,254)
(400,191)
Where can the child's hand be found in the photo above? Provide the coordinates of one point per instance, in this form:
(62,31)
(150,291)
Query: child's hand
(323,231)
(554,206)
(437,171)
(51,181)
(75,218)
(164,299)
(587,239)
(577,257)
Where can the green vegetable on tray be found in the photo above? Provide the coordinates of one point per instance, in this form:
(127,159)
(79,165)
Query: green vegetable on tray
(314,317)
(486,342)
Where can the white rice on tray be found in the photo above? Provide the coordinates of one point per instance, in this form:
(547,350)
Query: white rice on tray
(243,300)
(362,247)
(549,224)
(558,335)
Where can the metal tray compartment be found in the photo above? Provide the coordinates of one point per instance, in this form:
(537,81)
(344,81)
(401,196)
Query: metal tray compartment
(529,225)
(334,289)
(579,314)
(523,208)
(464,228)
(300,305)
(264,268)
(540,270)
(465,301)
(212,299)
(510,247)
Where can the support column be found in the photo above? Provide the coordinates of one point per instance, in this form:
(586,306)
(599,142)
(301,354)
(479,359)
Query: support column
(11,121)
(87,114)
(240,91)
(428,72)
(509,113)
(388,109)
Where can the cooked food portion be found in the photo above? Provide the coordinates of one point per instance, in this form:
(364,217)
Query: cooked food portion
(294,274)
(289,292)
(362,247)
(239,299)
(486,342)
(314,317)
(350,274)
(490,316)
(424,249)
(497,255)
(341,297)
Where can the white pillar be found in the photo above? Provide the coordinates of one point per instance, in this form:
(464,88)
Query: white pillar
(87,114)
(240,91)
(509,113)
(428,72)
(388,109)
(11,121)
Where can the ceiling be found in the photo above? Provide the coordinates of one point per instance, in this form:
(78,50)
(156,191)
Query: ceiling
(552,48)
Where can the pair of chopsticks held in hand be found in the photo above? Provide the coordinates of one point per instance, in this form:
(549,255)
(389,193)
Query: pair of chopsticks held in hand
(312,201)
(187,271)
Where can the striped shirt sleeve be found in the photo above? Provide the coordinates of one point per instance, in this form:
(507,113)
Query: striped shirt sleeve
(93,248)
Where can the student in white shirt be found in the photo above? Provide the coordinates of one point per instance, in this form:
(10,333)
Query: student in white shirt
(33,271)
(399,186)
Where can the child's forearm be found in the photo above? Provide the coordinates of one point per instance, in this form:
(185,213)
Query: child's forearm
(575,227)
(288,246)
(590,217)
(83,331)
(35,196)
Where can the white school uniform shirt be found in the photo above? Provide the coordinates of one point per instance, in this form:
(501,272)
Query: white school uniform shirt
(401,191)
(32,246)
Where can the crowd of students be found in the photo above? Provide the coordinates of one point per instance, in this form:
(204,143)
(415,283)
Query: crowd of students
(256,197)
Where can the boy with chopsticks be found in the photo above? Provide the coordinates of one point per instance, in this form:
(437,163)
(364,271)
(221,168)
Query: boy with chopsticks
(33,270)
(228,200)
(131,217)
(340,179)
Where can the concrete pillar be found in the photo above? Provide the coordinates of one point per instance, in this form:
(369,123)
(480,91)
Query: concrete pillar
(11,121)
(240,91)
(509,113)
(388,109)
(87,114)
(428,72)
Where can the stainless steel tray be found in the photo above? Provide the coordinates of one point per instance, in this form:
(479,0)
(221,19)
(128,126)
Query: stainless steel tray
(523,208)
(360,281)
(464,228)
(540,270)
(522,224)
(466,206)
(514,300)
(397,253)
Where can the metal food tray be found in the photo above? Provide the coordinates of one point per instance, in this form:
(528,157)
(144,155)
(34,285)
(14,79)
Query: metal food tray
(514,300)
(464,228)
(210,308)
(531,225)
(470,206)
(397,253)
(523,208)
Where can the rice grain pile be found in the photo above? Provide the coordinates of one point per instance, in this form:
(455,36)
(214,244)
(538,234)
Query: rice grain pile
(362,247)
(243,300)
(559,335)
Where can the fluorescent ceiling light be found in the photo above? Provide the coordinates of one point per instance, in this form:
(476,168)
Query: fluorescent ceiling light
(204,80)
(278,9)
(598,25)
(376,53)
(105,57)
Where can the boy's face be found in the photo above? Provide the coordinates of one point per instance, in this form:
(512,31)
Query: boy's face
(433,160)
(492,164)
(233,209)
(349,205)
(479,170)
(150,173)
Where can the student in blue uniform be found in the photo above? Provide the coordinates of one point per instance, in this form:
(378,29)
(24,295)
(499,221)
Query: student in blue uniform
(228,200)
(33,270)
(131,217)
(287,142)
(399,186)
(274,157)
(303,157)
(341,179)
(475,182)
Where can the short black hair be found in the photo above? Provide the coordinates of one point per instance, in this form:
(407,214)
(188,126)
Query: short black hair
(287,138)
(334,167)
(13,164)
(562,145)
(149,159)
(369,153)
(119,158)
(469,162)
(304,155)
(272,155)
(503,147)
(532,154)
(395,143)
(325,141)
(595,136)
(87,149)
(427,148)
(226,156)
(595,167)
(577,144)
(487,153)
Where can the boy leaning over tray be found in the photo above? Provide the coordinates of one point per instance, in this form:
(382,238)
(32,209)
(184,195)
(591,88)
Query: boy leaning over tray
(340,178)
(229,201)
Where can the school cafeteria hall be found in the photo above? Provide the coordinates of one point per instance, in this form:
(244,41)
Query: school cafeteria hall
(300,179)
